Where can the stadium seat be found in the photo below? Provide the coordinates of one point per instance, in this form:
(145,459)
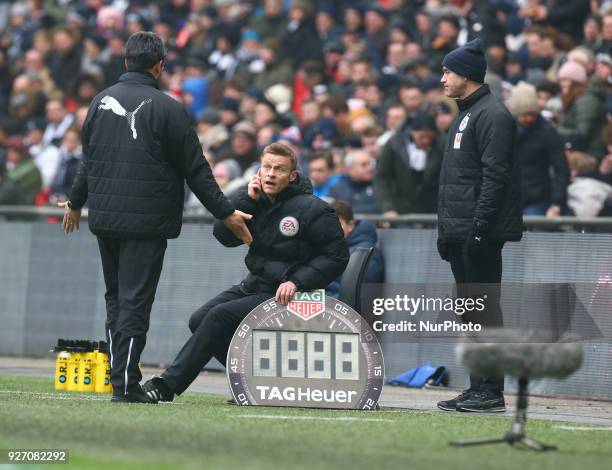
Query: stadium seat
(350,284)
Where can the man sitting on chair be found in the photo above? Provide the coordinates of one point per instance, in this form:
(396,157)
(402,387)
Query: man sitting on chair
(298,244)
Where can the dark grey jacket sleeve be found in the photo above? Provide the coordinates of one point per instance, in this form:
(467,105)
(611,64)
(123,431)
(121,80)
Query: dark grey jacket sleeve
(325,234)
(184,146)
(242,202)
(496,135)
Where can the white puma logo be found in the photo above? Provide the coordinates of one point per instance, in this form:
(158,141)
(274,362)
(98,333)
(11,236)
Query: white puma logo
(108,102)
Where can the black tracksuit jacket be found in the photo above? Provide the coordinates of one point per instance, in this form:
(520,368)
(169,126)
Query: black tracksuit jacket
(139,147)
(480,176)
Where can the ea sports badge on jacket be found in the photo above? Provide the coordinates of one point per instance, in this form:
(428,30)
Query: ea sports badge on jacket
(464,122)
(289,226)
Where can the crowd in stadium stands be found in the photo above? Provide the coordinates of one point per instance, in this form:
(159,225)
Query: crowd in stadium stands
(353,85)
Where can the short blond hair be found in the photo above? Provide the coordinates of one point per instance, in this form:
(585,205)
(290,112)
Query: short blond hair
(283,150)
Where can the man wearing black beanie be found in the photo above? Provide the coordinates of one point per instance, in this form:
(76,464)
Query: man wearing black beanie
(479,204)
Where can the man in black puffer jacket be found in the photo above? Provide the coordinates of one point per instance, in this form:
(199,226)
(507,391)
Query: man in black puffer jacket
(139,147)
(479,204)
(298,244)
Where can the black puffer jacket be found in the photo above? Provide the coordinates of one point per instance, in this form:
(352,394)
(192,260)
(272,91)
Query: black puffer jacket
(480,178)
(540,148)
(298,238)
(138,149)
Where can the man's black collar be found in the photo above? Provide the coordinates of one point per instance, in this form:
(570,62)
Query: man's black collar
(469,101)
(141,77)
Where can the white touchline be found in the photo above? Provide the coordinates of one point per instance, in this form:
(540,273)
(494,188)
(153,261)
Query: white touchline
(319,418)
(584,428)
(68,396)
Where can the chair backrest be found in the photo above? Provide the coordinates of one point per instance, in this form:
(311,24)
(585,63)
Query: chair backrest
(350,284)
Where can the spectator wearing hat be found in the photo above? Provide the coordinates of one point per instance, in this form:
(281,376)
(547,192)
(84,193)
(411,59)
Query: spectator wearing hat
(513,69)
(333,51)
(300,41)
(22,171)
(541,154)
(264,113)
(46,156)
(229,112)
(356,186)
(271,21)
(195,92)
(243,145)
(583,110)
(408,169)
(248,55)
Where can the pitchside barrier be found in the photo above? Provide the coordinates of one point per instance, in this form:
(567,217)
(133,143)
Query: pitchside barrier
(51,286)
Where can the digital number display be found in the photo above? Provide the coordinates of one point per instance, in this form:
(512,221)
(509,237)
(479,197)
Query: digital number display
(305,355)
(314,352)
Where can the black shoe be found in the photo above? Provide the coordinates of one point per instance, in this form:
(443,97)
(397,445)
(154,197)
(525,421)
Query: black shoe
(451,405)
(135,395)
(231,401)
(483,401)
(157,389)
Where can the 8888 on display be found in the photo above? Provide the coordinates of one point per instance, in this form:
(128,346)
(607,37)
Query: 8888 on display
(314,352)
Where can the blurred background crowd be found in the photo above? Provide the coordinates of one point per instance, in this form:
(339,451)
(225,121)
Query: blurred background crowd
(352,85)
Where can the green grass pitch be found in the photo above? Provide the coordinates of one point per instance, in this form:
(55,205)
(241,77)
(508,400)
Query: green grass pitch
(203,432)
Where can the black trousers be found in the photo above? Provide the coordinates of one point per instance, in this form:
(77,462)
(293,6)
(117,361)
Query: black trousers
(478,277)
(213,326)
(131,274)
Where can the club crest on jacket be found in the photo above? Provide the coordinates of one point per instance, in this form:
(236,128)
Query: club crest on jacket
(464,122)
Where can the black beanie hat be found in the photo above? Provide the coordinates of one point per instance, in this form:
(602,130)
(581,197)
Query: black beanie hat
(468,61)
